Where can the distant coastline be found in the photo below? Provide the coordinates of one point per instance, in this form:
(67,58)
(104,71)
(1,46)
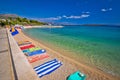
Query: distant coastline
(43,26)
(91,25)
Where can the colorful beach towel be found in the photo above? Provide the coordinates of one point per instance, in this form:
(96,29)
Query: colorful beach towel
(47,68)
(26,51)
(36,52)
(26,47)
(76,76)
(24,43)
(34,58)
(20,42)
(34,49)
(31,49)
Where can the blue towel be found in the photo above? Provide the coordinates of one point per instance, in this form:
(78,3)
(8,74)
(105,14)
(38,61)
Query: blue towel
(26,51)
(47,67)
(36,52)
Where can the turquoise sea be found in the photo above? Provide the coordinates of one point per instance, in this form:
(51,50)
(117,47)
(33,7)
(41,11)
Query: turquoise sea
(95,45)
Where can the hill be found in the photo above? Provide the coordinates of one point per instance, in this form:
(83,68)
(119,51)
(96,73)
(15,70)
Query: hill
(12,19)
(6,16)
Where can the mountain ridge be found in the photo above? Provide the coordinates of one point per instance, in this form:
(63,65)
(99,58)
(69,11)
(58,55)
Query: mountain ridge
(5,16)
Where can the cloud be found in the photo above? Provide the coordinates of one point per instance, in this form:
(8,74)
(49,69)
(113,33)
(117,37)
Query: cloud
(50,18)
(104,10)
(86,12)
(110,9)
(61,17)
(76,17)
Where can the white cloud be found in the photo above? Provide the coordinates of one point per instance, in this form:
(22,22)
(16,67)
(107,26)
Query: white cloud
(61,17)
(86,12)
(84,15)
(50,18)
(104,10)
(110,9)
(76,17)
(64,16)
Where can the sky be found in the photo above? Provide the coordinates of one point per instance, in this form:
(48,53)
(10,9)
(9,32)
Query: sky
(65,11)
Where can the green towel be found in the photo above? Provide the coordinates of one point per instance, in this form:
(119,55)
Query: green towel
(76,76)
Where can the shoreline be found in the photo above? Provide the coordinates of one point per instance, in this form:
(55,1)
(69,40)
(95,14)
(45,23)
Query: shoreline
(42,26)
(91,72)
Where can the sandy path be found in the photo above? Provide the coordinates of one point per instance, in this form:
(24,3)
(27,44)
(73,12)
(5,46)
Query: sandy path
(69,65)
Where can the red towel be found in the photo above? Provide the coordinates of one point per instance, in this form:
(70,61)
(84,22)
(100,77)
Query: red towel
(24,45)
(34,58)
(27,46)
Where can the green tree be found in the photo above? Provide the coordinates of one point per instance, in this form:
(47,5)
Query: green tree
(2,23)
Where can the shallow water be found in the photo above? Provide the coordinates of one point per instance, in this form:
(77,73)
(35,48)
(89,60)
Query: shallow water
(99,45)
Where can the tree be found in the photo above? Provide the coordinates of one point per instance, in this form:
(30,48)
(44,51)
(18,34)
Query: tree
(2,23)
(18,19)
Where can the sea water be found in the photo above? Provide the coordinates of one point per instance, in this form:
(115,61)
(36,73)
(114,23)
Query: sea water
(96,45)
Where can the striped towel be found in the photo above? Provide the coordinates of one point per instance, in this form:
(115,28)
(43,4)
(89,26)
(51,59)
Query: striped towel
(47,67)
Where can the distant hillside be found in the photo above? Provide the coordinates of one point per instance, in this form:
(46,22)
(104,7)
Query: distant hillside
(12,19)
(6,16)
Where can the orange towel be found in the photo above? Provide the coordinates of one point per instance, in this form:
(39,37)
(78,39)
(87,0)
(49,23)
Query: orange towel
(34,58)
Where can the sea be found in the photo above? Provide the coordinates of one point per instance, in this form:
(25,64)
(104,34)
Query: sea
(98,46)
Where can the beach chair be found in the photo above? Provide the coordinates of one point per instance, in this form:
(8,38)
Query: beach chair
(36,52)
(76,76)
(47,67)
(35,58)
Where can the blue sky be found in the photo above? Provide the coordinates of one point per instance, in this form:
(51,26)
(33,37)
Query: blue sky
(65,11)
